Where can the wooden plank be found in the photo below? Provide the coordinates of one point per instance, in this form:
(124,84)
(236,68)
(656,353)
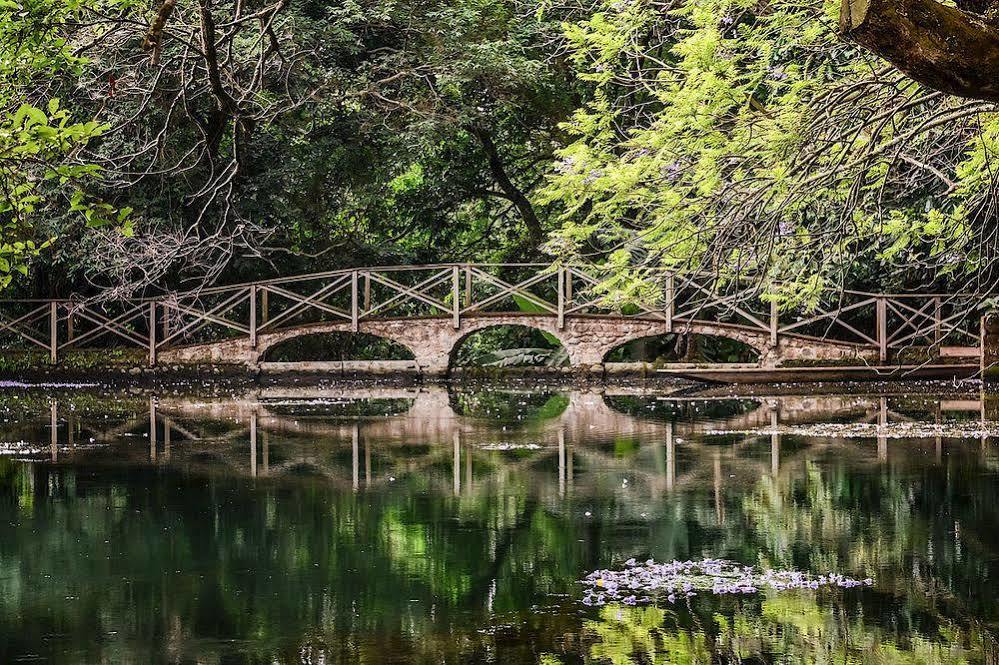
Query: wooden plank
(960,351)
(834,315)
(314,301)
(774,322)
(509,290)
(416,293)
(253,316)
(115,326)
(53,332)
(910,320)
(561,299)
(353,301)
(882,327)
(670,305)
(945,323)
(960,405)
(214,315)
(468,285)
(15,326)
(937,322)
(152,334)
(455,297)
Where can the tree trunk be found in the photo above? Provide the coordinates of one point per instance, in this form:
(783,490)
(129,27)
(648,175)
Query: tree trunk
(942,47)
(511,191)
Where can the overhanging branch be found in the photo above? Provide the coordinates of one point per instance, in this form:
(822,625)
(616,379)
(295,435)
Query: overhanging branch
(942,47)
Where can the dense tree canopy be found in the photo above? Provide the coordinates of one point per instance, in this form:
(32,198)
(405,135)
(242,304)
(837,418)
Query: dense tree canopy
(725,138)
(217,139)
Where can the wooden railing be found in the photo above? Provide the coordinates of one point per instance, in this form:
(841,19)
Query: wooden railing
(888,322)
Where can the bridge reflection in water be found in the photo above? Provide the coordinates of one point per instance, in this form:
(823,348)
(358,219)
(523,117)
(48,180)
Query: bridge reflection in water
(287,525)
(365,438)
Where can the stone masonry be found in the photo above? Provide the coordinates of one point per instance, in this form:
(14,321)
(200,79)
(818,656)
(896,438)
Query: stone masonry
(587,339)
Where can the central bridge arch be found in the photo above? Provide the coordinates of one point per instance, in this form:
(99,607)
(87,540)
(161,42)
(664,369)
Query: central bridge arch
(552,338)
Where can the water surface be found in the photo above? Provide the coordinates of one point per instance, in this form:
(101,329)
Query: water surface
(435,525)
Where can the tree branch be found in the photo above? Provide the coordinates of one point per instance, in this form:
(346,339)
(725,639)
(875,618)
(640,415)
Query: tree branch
(154,38)
(512,192)
(942,47)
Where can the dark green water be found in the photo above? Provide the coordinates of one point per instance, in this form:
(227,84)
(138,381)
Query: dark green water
(452,527)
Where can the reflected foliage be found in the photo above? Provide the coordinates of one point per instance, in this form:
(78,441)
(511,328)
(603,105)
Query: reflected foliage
(337,346)
(506,346)
(436,549)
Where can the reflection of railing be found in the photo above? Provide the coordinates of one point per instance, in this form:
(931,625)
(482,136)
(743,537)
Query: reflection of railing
(583,427)
(881,321)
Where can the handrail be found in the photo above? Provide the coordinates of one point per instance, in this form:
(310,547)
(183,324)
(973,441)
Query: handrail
(291,279)
(455,290)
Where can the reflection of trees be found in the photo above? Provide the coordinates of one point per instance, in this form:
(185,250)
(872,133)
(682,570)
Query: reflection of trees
(784,628)
(650,407)
(212,559)
(902,526)
(203,554)
(525,408)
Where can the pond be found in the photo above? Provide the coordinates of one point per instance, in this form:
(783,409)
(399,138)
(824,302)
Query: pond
(455,525)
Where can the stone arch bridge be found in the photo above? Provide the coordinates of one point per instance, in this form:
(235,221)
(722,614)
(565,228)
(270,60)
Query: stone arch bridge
(431,309)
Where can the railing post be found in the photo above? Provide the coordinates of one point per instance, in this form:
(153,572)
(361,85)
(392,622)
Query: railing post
(367,292)
(456,296)
(265,309)
(937,320)
(982,338)
(468,285)
(152,334)
(774,322)
(882,327)
(53,332)
(253,444)
(670,298)
(353,301)
(152,429)
(253,316)
(561,298)
(54,427)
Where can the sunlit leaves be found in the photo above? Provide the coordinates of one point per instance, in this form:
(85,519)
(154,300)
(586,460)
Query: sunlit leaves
(39,141)
(732,140)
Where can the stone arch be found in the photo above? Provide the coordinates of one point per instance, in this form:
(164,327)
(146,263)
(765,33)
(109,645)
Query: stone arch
(346,336)
(267,342)
(593,337)
(750,351)
(473,326)
(586,338)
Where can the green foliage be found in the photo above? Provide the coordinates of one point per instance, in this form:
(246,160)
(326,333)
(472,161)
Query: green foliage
(691,135)
(338,346)
(39,171)
(73,359)
(724,138)
(505,346)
